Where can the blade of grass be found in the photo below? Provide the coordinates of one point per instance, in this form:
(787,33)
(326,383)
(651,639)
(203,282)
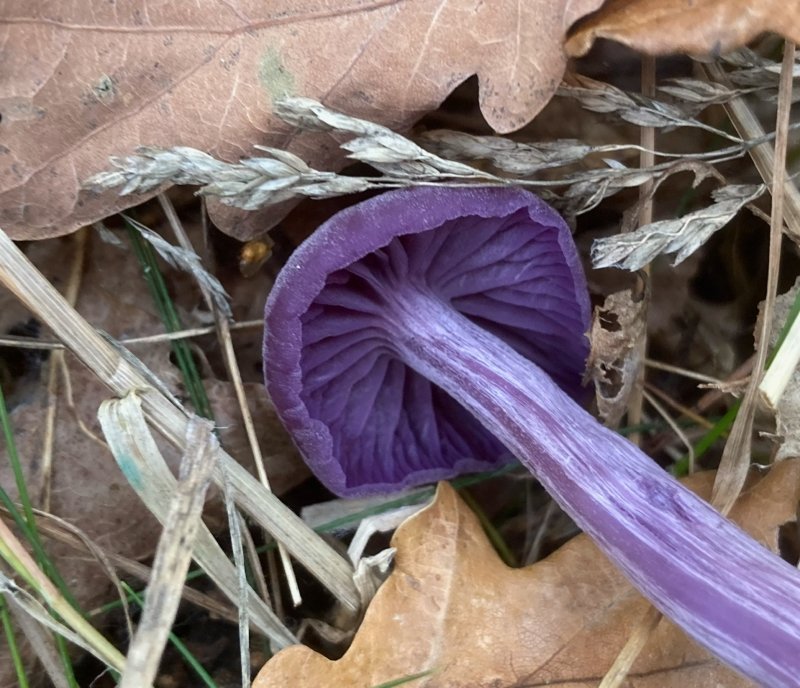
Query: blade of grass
(491,531)
(140,460)
(169,315)
(11,642)
(63,618)
(184,652)
(27,523)
(27,520)
(720,429)
(723,425)
(221,320)
(783,359)
(41,640)
(772,169)
(173,556)
(122,373)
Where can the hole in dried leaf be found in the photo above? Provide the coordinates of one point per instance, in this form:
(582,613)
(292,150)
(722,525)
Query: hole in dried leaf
(610,321)
(612,380)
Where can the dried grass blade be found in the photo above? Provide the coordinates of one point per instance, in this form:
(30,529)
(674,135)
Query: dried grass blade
(122,376)
(40,640)
(173,556)
(183,258)
(763,155)
(235,529)
(736,455)
(74,627)
(140,460)
(28,604)
(223,331)
(617,674)
(782,368)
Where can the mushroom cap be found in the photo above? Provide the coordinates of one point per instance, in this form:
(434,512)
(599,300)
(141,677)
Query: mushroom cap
(364,421)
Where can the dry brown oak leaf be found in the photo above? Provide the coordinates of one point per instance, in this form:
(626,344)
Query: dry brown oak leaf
(452,607)
(697,27)
(84,81)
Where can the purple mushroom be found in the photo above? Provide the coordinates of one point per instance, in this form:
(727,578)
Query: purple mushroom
(433,331)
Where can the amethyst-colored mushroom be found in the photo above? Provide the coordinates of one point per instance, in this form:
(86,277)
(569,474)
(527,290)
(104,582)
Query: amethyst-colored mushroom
(433,331)
(366,420)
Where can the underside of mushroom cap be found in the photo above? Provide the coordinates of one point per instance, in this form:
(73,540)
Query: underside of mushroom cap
(365,421)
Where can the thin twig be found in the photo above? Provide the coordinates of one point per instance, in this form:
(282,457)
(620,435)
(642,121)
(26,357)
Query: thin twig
(737,378)
(683,372)
(646,159)
(57,362)
(672,424)
(20,342)
(680,408)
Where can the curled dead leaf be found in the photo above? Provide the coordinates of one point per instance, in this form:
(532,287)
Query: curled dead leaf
(618,328)
(453,608)
(109,77)
(697,27)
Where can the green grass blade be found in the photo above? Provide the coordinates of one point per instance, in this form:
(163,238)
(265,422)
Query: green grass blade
(26,521)
(499,544)
(184,651)
(169,315)
(11,642)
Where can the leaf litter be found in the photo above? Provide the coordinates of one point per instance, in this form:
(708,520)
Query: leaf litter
(85,487)
(618,327)
(109,75)
(452,608)
(696,27)
(403,160)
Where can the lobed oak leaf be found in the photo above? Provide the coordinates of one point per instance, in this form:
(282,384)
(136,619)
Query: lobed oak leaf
(86,81)
(452,608)
(697,27)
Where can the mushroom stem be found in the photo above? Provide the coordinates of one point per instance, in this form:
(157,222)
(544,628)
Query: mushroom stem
(724,589)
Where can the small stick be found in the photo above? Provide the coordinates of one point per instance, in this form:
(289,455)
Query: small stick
(684,372)
(57,362)
(646,159)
